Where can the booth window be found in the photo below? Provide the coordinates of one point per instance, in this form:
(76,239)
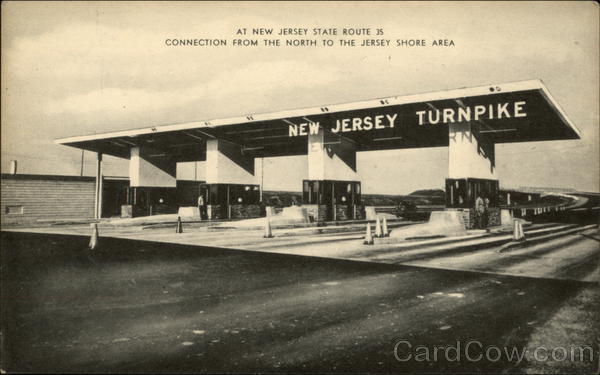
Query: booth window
(13,210)
(342,193)
(331,192)
(462,193)
(357,197)
(310,192)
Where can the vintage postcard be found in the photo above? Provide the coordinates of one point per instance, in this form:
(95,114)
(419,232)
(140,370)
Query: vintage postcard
(300,187)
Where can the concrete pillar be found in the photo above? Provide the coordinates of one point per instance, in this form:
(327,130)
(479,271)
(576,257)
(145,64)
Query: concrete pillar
(98,187)
(332,162)
(227,164)
(470,154)
(472,176)
(151,168)
(331,157)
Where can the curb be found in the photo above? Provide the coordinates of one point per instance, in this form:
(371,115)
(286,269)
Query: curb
(514,245)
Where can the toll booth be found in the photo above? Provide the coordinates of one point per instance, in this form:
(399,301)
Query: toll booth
(477,198)
(231,201)
(329,200)
(147,201)
(119,199)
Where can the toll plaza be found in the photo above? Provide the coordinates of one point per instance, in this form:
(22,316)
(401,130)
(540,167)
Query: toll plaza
(469,121)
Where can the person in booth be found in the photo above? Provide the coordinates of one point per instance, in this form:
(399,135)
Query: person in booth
(201,207)
(479,212)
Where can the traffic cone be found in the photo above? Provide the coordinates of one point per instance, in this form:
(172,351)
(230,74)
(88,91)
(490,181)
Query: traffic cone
(521,233)
(518,234)
(368,237)
(94,237)
(179,228)
(385,228)
(268,233)
(378,232)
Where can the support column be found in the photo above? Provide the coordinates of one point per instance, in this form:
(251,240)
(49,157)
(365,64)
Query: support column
(472,186)
(332,191)
(470,154)
(226,164)
(233,192)
(331,157)
(150,168)
(153,181)
(98,187)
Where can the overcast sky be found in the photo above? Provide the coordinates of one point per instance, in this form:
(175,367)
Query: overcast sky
(81,68)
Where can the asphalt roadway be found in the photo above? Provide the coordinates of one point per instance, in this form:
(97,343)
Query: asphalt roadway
(144,306)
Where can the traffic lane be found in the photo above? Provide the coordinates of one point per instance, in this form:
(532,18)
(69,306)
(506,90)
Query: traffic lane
(140,306)
(572,256)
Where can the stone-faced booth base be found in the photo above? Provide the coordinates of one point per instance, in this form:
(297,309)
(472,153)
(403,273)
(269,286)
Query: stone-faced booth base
(349,212)
(471,219)
(146,201)
(332,200)
(316,212)
(321,212)
(477,199)
(234,211)
(244,211)
(231,201)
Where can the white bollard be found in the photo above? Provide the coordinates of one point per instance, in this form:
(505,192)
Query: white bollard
(368,236)
(94,238)
(518,234)
(268,232)
(378,232)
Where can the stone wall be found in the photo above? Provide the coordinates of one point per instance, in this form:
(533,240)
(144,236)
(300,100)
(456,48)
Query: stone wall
(342,212)
(316,212)
(244,211)
(213,212)
(238,211)
(494,214)
(470,220)
(359,212)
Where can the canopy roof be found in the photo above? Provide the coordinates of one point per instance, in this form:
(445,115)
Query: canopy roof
(511,112)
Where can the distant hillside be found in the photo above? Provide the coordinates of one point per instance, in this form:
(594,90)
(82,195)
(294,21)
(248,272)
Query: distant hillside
(419,197)
(429,193)
(281,198)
